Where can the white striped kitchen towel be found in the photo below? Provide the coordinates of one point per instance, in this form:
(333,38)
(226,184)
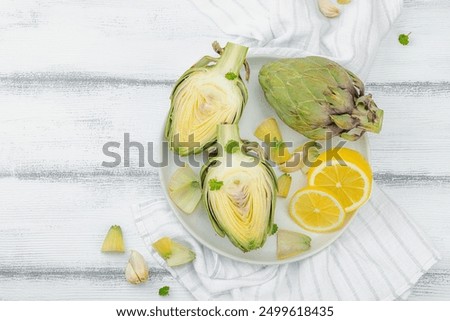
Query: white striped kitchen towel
(380,256)
(382,253)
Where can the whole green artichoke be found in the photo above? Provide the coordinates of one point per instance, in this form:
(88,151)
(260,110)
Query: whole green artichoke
(316,96)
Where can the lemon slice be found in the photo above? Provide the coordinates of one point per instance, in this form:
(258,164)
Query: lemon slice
(316,210)
(348,176)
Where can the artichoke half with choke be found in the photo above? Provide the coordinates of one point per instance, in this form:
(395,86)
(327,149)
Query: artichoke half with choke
(319,98)
(211,92)
(239,190)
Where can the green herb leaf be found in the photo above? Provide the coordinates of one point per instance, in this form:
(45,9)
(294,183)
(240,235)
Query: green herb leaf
(214,184)
(279,144)
(274,229)
(232,146)
(230,75)
(164,291)
(404,39)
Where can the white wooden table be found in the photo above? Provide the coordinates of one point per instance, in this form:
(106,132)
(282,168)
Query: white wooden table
(76,74)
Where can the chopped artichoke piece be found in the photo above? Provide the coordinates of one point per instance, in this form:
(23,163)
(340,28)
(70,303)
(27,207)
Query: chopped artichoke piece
(284,185)
(242,207)
(302,158)
(184,189)
(319,98)
(291,243)
(114,240)
(269,132)
(210,93)
(173,252)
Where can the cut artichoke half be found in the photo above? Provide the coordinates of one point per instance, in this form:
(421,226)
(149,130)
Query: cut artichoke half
(291,244)
(239,190)
(211,92)
(173,252)
(184,189)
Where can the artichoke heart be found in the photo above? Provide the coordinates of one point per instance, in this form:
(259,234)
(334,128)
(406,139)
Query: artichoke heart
(319,98)
(210,93)
(184,189)
(239,191)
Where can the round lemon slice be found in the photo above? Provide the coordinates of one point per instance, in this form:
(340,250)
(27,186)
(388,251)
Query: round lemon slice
(316,210)
(348,176)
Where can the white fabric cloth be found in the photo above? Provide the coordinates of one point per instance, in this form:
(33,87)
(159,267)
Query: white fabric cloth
(382,253)
(380,256)
(297,28)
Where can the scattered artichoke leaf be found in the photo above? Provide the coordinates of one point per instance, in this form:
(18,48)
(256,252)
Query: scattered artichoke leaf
(279,153)
(114,240)
(269,132)
(172,252)
(303,156)
(290,243)
(284,185)
(184,189)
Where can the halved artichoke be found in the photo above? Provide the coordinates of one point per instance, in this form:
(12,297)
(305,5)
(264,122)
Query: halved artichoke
(239,190)
(211,92)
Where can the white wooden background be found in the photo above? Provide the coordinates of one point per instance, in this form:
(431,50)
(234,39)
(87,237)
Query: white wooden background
(75,74)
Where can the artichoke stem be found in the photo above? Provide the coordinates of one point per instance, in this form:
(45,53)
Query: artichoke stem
(227,133)
(232,58)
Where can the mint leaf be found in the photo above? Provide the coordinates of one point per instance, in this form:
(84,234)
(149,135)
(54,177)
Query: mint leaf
(404,39)
(274,229)
(164,291)
(214,184)
(232,146)
(230,75)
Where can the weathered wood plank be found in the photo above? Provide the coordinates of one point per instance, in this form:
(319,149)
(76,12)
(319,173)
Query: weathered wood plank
(157,39)
(432,286)
(59,123)
(105,283)
(109,284)
(54,225)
